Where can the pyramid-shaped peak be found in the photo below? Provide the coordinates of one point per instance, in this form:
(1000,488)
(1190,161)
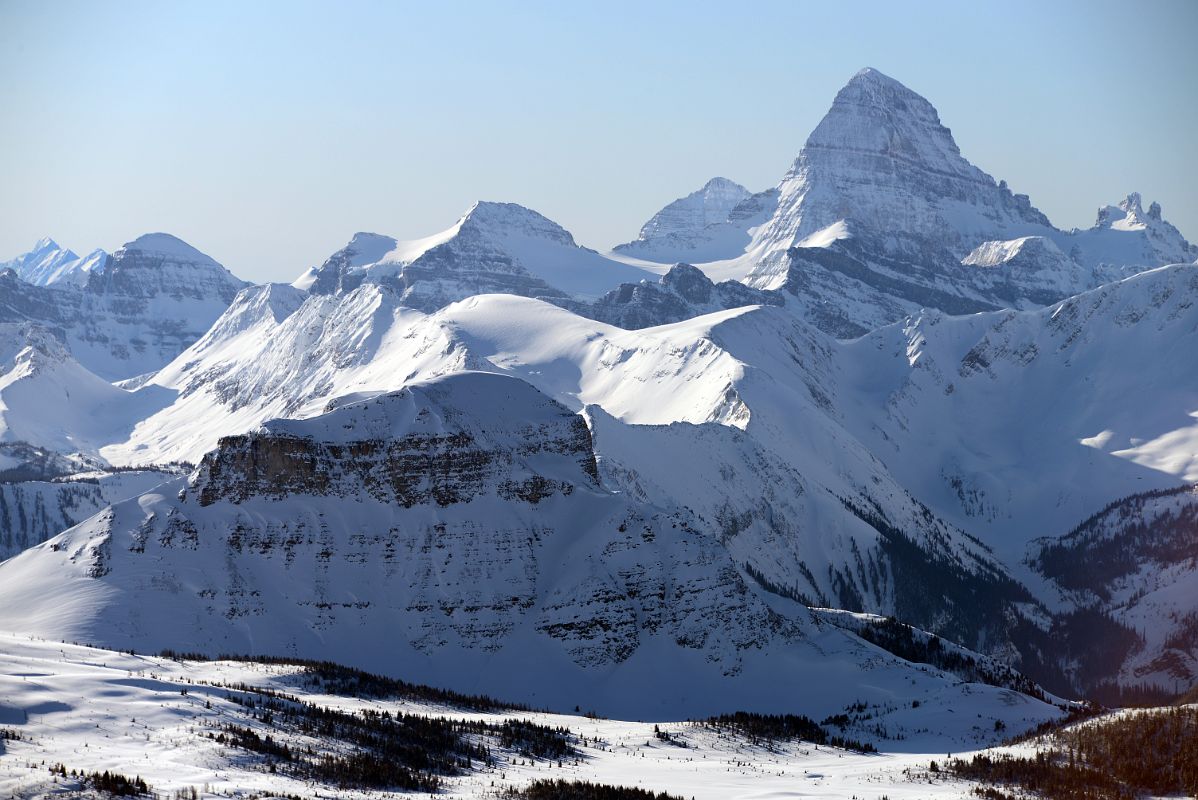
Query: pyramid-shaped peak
(869,85)
(876,114)
(492,218)
(881,164)
(724,184)
(875,91)
(870,76)
(164,244)
(45,244)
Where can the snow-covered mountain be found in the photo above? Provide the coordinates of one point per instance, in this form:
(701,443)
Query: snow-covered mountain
(153,298)
(34,510)
(1097,393)
(526,458)
(465,518)
(275,355)
(55,415)
(896,448)
(47,399)
(49,264)
(703,207)
(704,226)
(880,164)
(880,215)
(1126,236)
(1017,426)
(494,247)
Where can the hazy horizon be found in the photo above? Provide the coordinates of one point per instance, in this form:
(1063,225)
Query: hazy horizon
(267,135)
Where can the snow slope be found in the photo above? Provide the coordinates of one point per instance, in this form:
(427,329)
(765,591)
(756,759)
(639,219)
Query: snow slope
(32,511)
(465,518)
(96,710)
(47,399)
(1021,424)
(494,247)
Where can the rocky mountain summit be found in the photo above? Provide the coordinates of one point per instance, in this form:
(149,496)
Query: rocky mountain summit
(49,264)
(880,215)
(153,298)
(493,248)
(881,163)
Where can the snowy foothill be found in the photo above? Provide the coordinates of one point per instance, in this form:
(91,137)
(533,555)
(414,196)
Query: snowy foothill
(93,710)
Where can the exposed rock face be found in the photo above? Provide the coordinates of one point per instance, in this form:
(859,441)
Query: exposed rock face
(682,293)
(882,184)
(455,524)
(1126,239)
(409,456)
(152,299)
(881,160)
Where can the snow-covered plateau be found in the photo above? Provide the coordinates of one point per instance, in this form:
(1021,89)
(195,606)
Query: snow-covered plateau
(158,718)
(879,446)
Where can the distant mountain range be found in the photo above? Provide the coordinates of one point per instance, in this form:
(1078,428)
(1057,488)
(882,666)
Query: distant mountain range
(666,479)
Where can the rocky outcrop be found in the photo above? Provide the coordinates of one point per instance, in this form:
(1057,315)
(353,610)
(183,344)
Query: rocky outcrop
(456,528)
(411,465)
(682,293)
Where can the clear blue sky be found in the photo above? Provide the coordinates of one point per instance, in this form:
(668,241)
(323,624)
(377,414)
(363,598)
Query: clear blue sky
(266,133)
